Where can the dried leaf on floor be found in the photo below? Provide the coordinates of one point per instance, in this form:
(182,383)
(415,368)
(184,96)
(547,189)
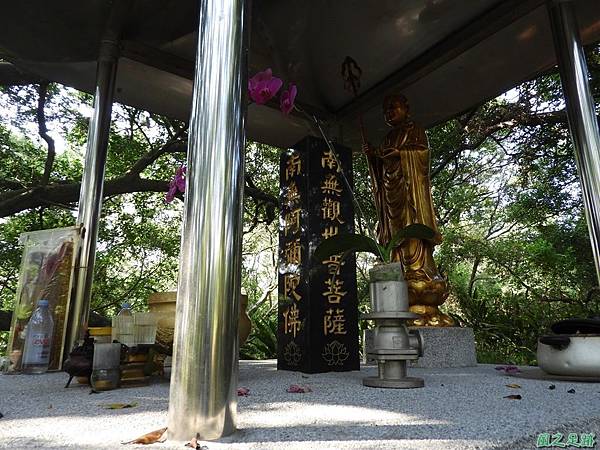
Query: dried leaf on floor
(571,391)
(552,386)
(119,405)
(513,397)
(150,438)
(298,389)
(514,386)
(243,392)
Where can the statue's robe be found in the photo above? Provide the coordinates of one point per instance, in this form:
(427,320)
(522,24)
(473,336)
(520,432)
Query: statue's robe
(402,192)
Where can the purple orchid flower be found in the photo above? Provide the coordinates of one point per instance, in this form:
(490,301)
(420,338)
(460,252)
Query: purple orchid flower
(180,178)
(508,369)
(298,389)
(243,392)
(286,103)
(172,191)
(176,184)
(263,86)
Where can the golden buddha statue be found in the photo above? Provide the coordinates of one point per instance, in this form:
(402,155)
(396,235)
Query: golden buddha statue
(399,170)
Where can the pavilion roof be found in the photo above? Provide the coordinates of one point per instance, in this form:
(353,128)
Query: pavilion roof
(446,56)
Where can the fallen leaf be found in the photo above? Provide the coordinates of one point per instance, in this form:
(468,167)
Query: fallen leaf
(514,386)
(552,387)
(119,405)
(514,397)
(150,438)
(243,392)
(571,391)
(298,389)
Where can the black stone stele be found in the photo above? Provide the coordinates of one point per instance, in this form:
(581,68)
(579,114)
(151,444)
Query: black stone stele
(318,306)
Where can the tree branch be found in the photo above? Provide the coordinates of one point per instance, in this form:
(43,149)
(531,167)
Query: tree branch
(174,145)
(12,185)
(473,276)
(43,132)
(65,194)
(511,117)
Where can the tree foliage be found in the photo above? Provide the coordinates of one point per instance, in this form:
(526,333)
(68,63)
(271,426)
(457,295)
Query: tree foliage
(139,235)
(516,248)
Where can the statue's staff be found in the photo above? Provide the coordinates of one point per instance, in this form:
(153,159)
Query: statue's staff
(351,73)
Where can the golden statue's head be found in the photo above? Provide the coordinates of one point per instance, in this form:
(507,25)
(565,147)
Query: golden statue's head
(395,109)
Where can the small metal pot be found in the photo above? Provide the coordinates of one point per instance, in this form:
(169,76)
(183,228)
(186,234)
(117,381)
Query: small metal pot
(570,354)
(573,351)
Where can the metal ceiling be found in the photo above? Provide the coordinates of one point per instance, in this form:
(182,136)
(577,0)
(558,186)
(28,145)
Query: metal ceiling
(445,55)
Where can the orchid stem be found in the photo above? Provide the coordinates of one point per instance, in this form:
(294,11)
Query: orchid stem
(371,233)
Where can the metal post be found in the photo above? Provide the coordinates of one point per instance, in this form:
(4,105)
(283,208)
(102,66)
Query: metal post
(583,123)
(92,183)
(203,396)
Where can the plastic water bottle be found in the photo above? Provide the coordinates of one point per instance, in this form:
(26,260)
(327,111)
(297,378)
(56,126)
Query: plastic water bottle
(36,354)
(125,310)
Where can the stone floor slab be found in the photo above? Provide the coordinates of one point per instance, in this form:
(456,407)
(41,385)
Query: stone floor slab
(459,408)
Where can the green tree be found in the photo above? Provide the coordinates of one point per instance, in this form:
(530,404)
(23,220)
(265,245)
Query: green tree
(139,235)
(516,248)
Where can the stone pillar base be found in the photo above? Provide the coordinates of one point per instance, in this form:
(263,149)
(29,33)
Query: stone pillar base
(444,347)
(447,347)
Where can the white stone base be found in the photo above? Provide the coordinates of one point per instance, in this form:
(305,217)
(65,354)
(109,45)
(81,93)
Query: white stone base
(447,347)
(444,347)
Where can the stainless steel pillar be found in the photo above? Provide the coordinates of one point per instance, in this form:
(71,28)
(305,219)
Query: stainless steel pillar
(203,396)
(583,123)
(90,195)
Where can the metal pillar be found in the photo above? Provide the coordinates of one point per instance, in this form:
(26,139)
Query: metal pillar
(203,395)
(583,123)
(92,183)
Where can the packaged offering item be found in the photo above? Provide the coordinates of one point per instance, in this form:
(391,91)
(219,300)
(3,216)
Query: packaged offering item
(47,267)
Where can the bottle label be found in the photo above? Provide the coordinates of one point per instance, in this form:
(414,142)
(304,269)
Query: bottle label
(38,349)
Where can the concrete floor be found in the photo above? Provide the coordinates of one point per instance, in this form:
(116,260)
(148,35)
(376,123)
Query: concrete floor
(457,409)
